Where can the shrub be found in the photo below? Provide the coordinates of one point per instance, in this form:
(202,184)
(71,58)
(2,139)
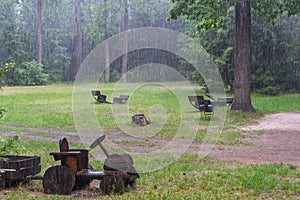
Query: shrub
(30,73)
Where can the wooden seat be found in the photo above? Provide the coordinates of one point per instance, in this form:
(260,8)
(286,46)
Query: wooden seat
(75,159)
(221,101)
(202,105)
(227,100)
(121,100)
(98,96)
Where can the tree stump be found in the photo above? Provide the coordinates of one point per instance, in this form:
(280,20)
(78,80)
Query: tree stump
(112,182)
(58,180)
(140,119)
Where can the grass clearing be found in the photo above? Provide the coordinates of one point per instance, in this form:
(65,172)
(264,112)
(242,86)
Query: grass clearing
(50,107)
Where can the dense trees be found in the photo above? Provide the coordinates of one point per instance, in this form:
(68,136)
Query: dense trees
(59,34)
(51,38)
(211,14)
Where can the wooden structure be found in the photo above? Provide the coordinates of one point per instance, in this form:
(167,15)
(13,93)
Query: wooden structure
(101,98)
(140,119)
(207,106)
(121,100)
(202,105)
(75,172)
(15,169)
(222,101)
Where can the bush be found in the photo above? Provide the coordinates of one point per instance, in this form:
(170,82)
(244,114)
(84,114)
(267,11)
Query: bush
(29,74)
(10,146)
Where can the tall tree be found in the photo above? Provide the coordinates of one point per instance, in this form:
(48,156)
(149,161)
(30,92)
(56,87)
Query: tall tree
(39,31)
(79,47)
(106,14)
(125,56)
(242,57)
(211,14)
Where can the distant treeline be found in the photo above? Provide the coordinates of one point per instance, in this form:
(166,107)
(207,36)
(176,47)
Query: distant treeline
(47,40)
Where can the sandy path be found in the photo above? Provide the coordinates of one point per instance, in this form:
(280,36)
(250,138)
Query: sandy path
(276,139)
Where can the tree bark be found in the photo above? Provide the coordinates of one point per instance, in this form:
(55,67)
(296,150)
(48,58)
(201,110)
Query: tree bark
(242,58)
(107,63)
(39,31)
(79,49)
(106,14)
(125,56)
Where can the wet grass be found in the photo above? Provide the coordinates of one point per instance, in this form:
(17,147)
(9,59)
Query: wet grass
(187,178)
(192,178)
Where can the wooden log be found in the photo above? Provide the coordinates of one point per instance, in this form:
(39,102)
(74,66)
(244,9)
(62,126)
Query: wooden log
(113,182)
(58,180)
(140,119)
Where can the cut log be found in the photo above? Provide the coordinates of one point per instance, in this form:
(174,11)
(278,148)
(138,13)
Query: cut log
(112,182)
(58,180)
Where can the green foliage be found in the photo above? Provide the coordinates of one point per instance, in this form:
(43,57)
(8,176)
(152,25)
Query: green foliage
(9,146)
(275,48)
(209,14)
(30,73)
(2,111)
(3,71)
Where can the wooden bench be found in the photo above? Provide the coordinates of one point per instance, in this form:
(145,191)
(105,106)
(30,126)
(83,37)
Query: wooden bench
(201,104)
(121,100)
(98,96)
(222,101)
(227,100)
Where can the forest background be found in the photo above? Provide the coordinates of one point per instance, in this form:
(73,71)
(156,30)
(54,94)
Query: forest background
(47,40)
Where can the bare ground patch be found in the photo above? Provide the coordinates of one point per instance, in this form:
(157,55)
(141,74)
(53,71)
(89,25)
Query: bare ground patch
(276,139)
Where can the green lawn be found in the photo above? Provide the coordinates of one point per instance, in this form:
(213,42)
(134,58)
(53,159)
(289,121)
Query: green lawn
(50,107)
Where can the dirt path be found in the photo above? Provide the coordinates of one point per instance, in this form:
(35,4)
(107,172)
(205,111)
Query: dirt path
(276,139)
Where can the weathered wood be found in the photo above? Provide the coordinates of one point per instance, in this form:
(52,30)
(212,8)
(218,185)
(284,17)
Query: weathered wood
(120,162)
(17,162)
(17,168)
(121,100)
(2,180)
(202,105)
(140,119)
(22,173)
(197,102)
(113,182)
(98,96)
(63,145)
(83,158)
(58,180)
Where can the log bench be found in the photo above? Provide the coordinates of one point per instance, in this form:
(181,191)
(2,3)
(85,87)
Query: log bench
(201,104)
(121,100)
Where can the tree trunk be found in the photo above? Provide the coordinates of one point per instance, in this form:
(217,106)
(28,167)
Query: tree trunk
(79,36)
(39,31)
(106,14)
(125,56)
(242,58)
(107,63)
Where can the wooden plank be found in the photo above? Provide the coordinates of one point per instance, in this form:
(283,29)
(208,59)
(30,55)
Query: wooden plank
(22,173)
(17,162)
